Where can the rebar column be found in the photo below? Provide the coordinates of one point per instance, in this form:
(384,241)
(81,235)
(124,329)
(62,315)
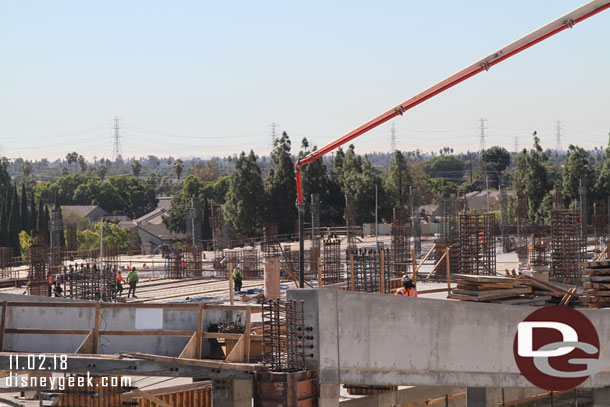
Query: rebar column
(350,221)
(477,244)
(567,248)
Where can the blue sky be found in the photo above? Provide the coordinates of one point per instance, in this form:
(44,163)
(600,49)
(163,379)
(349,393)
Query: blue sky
(200,78)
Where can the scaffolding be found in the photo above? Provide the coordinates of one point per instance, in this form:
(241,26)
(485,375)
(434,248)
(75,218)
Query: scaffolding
(567,245)
(400,254)
(331,266)
(283,335)
(369,270)
(55,248)
(6,256)
(350,221)
(477,244)
(271,243)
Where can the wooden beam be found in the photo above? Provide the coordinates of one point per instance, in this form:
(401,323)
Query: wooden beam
(212,364)
(320,271)
(231,293)
(3,325)
(436,266)
(351,269)
(382,259)
(247,335)
(238,353)
(425,258)
(448,270)
(148,397)
(96,329)
(199,331)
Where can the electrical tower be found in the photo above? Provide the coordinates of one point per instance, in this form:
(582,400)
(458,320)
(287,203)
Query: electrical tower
(273,135)
(393,137)
(116,148)
(482,140)
(516,141)
(558,136)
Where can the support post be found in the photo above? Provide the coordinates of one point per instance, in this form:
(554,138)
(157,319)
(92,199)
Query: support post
(351,270)
(199,331)
(96,328)
(320,271)
(301,210)
(247,333)
(601,397)
(231,293)
(475,396)
(448,270)
(414,263)
(382,264)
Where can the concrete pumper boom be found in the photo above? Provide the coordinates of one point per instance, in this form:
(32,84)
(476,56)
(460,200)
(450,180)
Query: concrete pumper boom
(554,27)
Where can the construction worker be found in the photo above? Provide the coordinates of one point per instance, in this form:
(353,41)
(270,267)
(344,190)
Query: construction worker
(408,288)
(237,277)
(119,283)
(132,279)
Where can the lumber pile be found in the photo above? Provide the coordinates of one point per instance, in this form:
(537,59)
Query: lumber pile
(505,290)
(513,290)
(596,281)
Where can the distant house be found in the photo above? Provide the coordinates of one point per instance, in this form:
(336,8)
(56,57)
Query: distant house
(477,200)
(91,212)
(152,230)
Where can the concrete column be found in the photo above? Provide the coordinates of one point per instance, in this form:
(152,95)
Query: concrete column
(329,395)
(601,397)
(475,396)
(232,393)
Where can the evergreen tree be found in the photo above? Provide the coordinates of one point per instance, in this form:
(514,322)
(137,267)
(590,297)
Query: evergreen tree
(33,214)
(245,196)
(602,186)
(576,169)
(280,187)
(25,219)
(399,181)
(13,229)
(531,179)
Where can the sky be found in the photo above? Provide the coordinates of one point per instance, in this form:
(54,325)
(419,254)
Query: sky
(201,78)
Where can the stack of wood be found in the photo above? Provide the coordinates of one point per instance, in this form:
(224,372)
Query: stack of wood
(596,282)
(504,290)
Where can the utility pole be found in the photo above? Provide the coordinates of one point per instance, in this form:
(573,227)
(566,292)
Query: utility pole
(482,128)
(558,136)
(393,137)
(116,148)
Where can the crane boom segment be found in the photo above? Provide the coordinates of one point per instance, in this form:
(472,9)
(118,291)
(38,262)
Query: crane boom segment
(552,28)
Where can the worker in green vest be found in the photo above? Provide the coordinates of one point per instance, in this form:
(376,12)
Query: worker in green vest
(237,277)
(132,280)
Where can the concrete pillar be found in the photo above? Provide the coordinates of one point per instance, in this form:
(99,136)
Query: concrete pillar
(475,396)
(232,393)
(601,397)
(329,395)
(271,276)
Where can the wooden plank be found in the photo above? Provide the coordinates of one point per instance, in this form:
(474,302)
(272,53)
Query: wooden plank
(190,349)
(87,346)
(231,293)
(155,400)
(152,332)
(448,270)
(3,325)
(415,270)
(96,328)
(199,332)
(212,364)
(247,335)
(486,287)
(48,331)
(486,279)
(521,290)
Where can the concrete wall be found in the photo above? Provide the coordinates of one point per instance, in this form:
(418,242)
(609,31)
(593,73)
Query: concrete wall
(111,319)
(377,339)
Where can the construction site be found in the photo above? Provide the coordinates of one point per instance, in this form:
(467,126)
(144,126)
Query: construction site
(316,321)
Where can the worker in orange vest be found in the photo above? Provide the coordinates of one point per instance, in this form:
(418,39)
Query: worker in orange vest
(408,288)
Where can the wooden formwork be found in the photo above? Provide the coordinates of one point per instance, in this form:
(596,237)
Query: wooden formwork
(98,395)
(198,394)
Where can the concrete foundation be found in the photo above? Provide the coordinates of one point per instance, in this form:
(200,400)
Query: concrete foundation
(601,397)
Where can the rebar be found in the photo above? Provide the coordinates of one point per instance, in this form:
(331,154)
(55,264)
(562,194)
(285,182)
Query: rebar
(538,249)
(477,244)
(400,253)
(350,221)
(217,222)
(283,335)
(331,265)
(38,270)
(567,245)
(366,270)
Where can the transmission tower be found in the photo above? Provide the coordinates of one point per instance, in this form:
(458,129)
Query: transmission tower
(558,136)
(273,135)
(116,148)
(482,140)
(516,141)
(393,137)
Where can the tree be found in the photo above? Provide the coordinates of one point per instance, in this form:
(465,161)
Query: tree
(531,180)
(82,163)
(136,167)
(280,187)
(178,167)
(602,186)
(244,205)
(208,171)
(71,158)
(445,166)
(398,181)
(577,169)
(495,160)
(26,169)
(102,170)
(25,218)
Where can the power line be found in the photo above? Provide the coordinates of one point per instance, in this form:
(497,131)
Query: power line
(116,148)
(273,135)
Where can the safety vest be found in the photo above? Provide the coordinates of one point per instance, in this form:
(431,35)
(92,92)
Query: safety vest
(406,293)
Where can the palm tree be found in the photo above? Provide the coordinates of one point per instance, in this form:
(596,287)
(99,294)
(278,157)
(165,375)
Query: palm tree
(178,167)
(136,167)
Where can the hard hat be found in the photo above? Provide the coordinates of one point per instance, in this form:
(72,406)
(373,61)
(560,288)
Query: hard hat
(405,279)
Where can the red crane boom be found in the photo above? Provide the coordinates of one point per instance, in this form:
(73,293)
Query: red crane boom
(556,26)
